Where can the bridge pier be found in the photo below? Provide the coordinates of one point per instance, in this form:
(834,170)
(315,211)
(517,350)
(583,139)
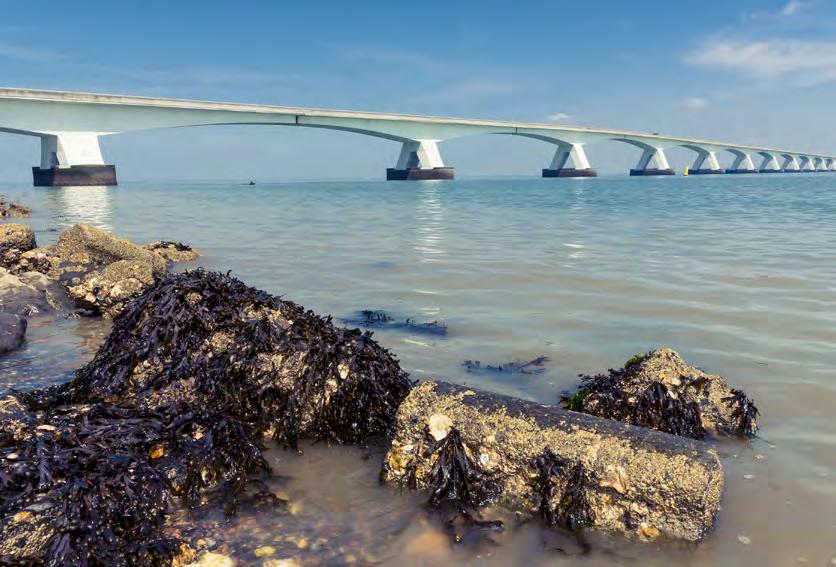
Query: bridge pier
(769,164)
(806,165)
(660,161)
(419,160)
(709,160)
(72,158)
(580,164)
(790,165)
(742,163)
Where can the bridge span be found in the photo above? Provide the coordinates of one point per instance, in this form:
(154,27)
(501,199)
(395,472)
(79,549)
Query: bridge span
(70,124)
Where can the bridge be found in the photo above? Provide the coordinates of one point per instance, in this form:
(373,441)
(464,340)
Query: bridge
(70,125)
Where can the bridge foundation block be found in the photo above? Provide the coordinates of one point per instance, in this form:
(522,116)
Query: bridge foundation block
(651,172)
(738,171)
(419,174)
(76,175)
(705,171)
(570,172)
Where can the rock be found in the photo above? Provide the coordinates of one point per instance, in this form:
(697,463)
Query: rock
(84,248)
(659,390)
(35,260)
(173,251)
(10,209)
(29,293)
(15,239)
(287,562)
(197,374)
(107,290)
(264,551)
(15,422)
(12,331)
(210,559)
(569,468)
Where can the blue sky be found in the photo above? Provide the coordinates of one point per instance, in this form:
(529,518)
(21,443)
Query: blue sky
(746,71)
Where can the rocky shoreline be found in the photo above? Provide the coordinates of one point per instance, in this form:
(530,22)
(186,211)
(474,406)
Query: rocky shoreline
(200,373)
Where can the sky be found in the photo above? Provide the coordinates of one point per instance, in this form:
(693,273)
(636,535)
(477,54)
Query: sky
(746,71)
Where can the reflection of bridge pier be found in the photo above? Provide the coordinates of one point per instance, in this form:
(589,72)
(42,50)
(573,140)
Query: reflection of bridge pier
(70,126)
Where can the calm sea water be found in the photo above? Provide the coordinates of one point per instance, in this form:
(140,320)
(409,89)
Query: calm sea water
(737,273)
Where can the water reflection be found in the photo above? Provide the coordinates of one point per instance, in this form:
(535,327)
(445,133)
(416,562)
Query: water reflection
(430,225)
(91,205)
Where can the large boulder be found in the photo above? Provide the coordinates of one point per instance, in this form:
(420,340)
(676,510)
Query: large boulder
(197,373)
(83,248)
(15,239)
(12,332)
(472,449)
(659,390)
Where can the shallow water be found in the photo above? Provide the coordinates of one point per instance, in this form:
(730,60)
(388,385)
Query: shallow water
(737,273)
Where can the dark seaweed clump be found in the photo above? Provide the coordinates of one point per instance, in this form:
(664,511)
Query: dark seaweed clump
(378,319)
(174,408)
(531,367)
(744,414)
(178,246)
(455,480)
(655,407)
(560,487)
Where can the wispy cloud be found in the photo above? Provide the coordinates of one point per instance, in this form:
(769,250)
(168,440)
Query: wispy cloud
(794,61)
(558,117)
(789,9)
(24,53)
(382,54)
(694,103)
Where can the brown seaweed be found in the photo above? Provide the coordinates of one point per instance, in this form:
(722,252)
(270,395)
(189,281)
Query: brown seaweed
(117,452)
(531,367)
(378,319)
(455,480)
(560,487)
(744,413)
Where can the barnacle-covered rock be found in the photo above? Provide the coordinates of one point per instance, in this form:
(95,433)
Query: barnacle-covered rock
(659,390)
(472,448)
(29,293)
(15,239)
(108,289)
(173,251)
(12,331)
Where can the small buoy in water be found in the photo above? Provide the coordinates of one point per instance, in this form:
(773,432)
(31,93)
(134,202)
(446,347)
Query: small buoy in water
(687,169)
(252,183)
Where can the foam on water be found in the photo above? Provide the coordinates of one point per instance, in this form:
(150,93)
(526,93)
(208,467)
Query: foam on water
(737,273)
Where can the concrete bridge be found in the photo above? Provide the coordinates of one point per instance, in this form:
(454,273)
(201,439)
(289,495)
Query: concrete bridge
(70,125)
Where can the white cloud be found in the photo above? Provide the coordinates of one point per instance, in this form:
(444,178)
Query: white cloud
(799,62)
(21,53)
(694,103)
(558,117)
(792,7)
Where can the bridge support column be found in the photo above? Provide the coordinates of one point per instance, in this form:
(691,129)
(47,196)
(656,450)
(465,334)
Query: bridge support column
(742,164)
(770,164)
(706,164)
(790,165)
(580,163)
(657,156)
(830,165)
(419,160)
(819,165)
(806,165)
(72,158)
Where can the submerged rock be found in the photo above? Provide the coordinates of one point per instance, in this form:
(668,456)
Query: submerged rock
(197,373)
(472,449)
(15,239)
(659,390)
(28,293)
(10,209)
(12,332)
(173,251)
